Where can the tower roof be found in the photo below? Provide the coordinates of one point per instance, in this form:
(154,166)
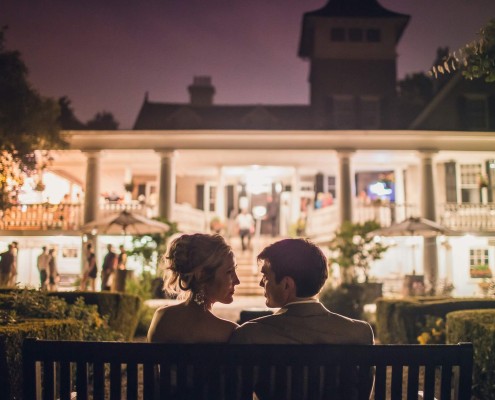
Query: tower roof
(348,9)
(354,8)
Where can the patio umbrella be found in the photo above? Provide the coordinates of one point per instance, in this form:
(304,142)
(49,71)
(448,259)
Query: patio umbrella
(413,226)
(126,223)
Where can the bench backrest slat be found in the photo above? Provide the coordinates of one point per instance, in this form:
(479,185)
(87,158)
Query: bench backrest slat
(220,371)
(412,381)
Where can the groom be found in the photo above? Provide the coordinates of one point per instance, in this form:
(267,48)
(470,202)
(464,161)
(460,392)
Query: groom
(293,273)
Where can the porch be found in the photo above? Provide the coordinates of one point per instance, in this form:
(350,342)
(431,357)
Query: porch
(68,218)
(463,218)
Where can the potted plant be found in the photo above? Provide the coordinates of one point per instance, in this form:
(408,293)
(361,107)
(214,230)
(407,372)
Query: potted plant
(480,271)
(129,186)
(216,225)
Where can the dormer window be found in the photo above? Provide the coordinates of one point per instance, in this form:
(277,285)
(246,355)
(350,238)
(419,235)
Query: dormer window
(355,35)
(373,35)
(337,35)
(370,35)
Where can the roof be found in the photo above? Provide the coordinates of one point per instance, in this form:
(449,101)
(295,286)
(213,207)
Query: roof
(157,116)
(354,8)
(347,9)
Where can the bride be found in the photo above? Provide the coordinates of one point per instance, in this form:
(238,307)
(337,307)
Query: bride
(202,269)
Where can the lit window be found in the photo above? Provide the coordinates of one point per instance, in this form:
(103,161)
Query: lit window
(355,35)
(470,174)
(478,264)
(373,35)
(337,34)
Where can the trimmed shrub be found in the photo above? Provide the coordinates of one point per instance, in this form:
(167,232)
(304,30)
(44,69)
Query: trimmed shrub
(31,313)
(11,339)
(344,299)
(477,327)
(121,309)
(402,321)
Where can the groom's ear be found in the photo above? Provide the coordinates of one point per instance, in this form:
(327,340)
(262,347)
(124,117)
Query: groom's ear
(289,284)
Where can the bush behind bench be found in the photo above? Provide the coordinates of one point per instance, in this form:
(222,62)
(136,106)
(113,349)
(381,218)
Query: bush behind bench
(478,327)
(11,339)
(401,321)
(121,309)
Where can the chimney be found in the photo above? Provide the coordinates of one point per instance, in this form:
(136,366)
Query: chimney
(201,91)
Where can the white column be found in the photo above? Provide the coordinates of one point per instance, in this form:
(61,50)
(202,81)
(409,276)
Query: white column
(428,210)
(344,195)
(427,199)
(220,197)
(92,189)
(296,196)
(400,200)
(166,186)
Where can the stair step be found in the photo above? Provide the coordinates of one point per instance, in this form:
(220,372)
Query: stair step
(247,265)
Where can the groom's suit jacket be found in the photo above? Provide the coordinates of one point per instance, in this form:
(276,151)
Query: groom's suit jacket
(304,323)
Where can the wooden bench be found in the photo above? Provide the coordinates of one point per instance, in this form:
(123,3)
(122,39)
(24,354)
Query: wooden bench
(115,370)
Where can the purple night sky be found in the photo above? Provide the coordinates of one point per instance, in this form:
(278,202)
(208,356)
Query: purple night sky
(105,54)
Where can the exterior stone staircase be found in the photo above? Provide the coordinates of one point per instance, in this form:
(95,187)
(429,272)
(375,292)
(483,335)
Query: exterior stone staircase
(248,270)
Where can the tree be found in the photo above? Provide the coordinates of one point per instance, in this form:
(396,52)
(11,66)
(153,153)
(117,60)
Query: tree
(102,121)
(353,248)
(148,249)
(28,122)
(68,119)
(476,59)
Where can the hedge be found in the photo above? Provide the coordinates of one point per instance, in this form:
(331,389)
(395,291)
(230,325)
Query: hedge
(401,321)
(11,338)
(477,327)
(121,309)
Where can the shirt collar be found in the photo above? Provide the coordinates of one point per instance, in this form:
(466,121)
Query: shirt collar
(285,307)
(307,301)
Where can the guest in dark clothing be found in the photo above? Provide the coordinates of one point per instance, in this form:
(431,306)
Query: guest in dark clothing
(7,260)
(108,268)
(90,269)
(53,276)
(122,259)
(272,215)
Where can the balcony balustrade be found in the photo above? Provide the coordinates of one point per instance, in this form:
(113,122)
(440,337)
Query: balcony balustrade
(41,217)
(323,222)
(469,218)
(135,207)
(464,218)
(69,217)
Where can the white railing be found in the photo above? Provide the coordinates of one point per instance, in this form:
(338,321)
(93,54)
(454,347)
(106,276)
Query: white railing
(468,217)
(189,219)
(68,217)
(322,222)
(43,217)
(109,208)
(385,214)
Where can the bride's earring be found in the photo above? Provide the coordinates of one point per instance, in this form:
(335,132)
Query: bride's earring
(199,297)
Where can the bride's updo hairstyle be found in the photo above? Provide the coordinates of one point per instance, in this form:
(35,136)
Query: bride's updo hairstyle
(190,254)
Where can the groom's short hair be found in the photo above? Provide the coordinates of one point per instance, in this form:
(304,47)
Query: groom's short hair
(299,259)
